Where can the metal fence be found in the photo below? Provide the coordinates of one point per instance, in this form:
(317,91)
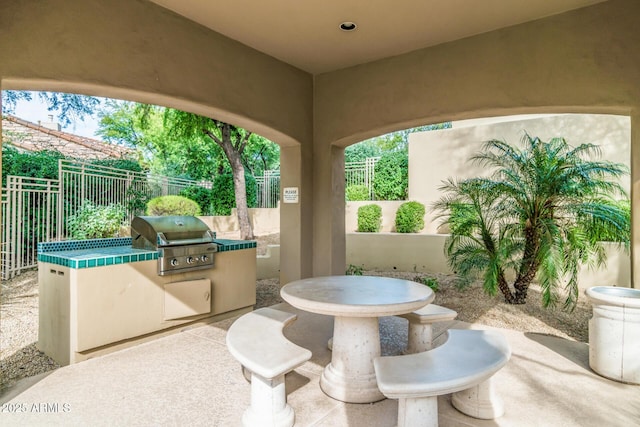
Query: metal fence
(101,185)
(356,173)
(29,215)
(361,173)
(268,192)
(36,210)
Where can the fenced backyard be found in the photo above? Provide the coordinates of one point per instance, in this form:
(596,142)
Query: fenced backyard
(36,210)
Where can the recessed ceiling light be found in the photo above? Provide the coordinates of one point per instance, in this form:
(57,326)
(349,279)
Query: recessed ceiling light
(348,26)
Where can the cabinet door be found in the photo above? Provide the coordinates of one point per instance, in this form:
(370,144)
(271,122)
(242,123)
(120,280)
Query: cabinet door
(187,298)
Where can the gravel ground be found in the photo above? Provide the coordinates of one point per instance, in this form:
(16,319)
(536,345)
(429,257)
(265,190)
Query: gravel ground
(19,357)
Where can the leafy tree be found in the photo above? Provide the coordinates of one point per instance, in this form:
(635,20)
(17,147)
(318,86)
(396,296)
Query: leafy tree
(183,144)
(70,107)
(142,126)
(361,151)
(233,141)
(391,179)
(538,215)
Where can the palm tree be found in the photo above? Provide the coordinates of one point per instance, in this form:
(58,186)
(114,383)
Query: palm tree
(540,214)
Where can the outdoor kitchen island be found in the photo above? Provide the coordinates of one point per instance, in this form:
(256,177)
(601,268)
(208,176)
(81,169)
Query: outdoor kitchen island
(98,296)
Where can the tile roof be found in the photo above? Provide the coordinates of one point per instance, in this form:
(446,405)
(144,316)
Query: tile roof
(33,137)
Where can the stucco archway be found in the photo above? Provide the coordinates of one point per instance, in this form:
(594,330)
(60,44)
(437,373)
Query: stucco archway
(584,60)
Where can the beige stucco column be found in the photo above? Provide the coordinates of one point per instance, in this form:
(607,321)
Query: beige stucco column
(635,199)
(295,216)
(329,251)
(1,142)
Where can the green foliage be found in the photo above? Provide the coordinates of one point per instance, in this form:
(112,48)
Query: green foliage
(606,231)
(260,154)
(354,270)
(394,141)
(172,205)
(369,218)
(224,198)
(391,181)
(137,196)
(126,164)
(42,164)
(95,222)
(410,217)
(357,193)
(462,218)
(150,130)
(202,196)
(428,281)
(361,151)
(541,214)
(69,106)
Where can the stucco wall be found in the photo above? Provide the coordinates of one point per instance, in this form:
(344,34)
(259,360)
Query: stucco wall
(438,155)
(584,60)
(424,253)
(140,51)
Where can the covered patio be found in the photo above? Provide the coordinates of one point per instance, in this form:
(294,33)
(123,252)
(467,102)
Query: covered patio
(191,379)
(290,74)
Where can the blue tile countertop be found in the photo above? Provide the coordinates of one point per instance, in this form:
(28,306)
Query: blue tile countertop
(118,250)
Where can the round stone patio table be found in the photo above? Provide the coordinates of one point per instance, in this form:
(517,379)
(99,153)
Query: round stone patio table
(356,302)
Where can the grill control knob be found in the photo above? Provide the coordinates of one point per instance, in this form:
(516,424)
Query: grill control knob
(190,260)
(204,258)
(174,262)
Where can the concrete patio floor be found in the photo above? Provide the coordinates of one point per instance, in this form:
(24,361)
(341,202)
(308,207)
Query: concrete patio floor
(190,378)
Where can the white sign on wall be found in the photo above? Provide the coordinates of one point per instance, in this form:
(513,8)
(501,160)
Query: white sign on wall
(290,195)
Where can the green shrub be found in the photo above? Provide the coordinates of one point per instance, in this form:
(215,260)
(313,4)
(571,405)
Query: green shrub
(369,218)
(357,193)
(224,198)
(172,205)
(391,180)
(41,164)
(95,222)
(410,217)
(354,270)
(428,281)
(202,196)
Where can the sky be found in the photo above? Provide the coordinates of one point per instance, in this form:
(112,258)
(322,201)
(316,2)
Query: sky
(35,110)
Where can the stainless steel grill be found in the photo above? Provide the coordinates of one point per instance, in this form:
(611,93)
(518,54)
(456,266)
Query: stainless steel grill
(184,243)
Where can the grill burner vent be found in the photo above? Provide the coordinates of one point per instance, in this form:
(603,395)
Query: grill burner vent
(184,243)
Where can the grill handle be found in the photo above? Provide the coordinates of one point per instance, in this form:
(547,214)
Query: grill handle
(207,237)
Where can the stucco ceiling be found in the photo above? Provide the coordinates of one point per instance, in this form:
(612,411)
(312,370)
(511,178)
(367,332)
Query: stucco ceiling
(306,33)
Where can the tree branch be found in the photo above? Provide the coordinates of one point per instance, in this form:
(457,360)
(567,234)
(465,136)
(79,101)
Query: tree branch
(212,136)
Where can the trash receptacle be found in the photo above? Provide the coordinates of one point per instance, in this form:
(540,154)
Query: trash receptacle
(614,333)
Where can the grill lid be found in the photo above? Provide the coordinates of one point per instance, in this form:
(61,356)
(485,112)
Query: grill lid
(159,231)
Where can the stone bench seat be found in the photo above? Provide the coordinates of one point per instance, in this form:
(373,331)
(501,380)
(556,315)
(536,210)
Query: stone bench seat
(257,342)
(421,335)
(463,365)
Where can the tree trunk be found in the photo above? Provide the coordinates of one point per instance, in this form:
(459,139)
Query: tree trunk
(504,288)
(239,185)
(528,268)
